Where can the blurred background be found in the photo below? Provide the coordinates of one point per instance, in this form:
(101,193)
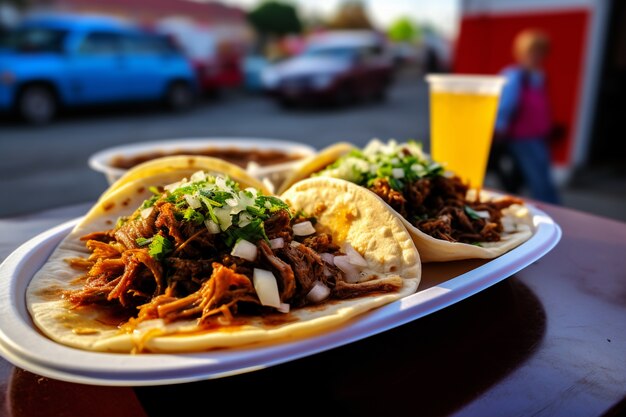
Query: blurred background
(78,76)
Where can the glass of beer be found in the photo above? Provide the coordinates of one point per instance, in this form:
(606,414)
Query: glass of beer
(463,112)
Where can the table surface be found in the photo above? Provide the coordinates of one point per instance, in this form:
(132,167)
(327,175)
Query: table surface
(550,340)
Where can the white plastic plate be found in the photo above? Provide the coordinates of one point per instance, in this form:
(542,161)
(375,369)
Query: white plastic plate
(23,345)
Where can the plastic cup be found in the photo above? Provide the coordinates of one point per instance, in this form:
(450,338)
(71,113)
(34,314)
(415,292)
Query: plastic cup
(463,112)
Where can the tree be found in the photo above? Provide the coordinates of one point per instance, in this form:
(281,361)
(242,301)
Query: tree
(351,15)
(275,18)
(403,30)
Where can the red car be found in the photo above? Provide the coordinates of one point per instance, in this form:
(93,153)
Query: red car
(336,67)
(222,72)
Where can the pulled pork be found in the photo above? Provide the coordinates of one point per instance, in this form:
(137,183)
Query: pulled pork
(199,278)
(438,207)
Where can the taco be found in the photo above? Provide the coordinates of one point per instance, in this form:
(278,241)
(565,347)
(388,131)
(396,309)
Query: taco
(446,219)
(197,264)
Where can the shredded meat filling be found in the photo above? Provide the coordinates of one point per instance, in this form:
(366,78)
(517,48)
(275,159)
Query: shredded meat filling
(279,225)
(132,230)
(438,206)
(288,282)
(199,278)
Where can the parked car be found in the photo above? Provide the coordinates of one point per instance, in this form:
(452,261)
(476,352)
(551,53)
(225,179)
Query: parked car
(217,61)
(52,62)
(220,73)
(253,67)
(339,67)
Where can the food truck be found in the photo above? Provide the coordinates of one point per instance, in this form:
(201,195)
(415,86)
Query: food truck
(579,32)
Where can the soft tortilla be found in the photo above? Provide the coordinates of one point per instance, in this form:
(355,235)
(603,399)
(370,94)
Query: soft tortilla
(185,165)
(389,251)
(316,163)
(430,248)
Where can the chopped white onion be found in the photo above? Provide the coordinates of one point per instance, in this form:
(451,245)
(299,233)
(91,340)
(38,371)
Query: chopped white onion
(231,202)
(328,258)
(171,187)
(318,293)
(197,176)
(145,213)
(223,217)
(418,169)
(244,219)
(303,229)
(483,213)
(294,244)
(351,272)
(508,225)
(397,172)
(244,249)
(193,201)
(212,227)
(277,243)
(220,182)
(354,256)
(284,308)
(245,200)
(266,287)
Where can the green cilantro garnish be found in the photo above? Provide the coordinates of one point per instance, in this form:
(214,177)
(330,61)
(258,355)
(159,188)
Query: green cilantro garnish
(160,247)
(257,211)
(240,214)
(471,213)
(397,163)
(120,221)
(149,202)
(275,203)
(193,216)
(142,241)
(252,232)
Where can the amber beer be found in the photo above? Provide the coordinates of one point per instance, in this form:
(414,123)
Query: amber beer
(463,111)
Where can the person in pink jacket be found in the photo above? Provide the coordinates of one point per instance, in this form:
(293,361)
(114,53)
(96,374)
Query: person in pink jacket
(524,122)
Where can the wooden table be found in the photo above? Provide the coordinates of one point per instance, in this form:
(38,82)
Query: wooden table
(550,340)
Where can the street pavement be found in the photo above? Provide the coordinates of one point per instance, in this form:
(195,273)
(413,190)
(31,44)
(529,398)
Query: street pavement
(46,167)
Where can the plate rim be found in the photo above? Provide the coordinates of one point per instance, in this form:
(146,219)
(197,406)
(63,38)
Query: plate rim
(212,364)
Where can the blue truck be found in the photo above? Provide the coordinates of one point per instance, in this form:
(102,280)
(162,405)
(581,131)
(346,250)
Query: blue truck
(62,61)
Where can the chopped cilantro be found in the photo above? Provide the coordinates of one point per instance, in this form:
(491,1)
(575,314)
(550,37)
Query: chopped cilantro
(142,241)
(120,221)
(149,202)
(394,162)
(193,216)
(257,211)
(471,213)
(252,232)
(209,206)
(218,198)
(240,214)
(276,203)
(160,247)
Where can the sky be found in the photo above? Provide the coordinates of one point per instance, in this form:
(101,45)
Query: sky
(443,14)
